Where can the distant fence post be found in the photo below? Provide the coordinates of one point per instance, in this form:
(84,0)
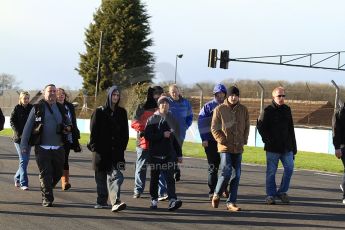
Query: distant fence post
(309,95)
(262,97)
(336,102)
(201,95)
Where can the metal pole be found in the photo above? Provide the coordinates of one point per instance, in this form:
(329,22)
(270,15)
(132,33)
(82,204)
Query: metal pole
(201,95)
(336,105)
(98,64)
(175,69)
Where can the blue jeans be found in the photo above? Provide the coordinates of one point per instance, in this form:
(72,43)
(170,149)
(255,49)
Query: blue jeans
(272,165)
(143,157)
(21,175)
(228,161)
(140,170)
(108,185)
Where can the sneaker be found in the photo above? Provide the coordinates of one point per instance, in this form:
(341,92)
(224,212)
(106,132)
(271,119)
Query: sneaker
(24,188)
(233,207)
(343,201)
(284,198)
(100,206)
(270,200)
(16,184)
(47,204)
(174,204)
(136,195)
(162,198)
(154,204)
(215,201)
(119,206)
(341,187)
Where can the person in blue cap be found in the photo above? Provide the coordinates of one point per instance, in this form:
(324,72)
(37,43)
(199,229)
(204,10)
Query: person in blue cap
(208,141)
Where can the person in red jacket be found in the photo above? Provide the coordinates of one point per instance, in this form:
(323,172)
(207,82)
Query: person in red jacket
(141,116)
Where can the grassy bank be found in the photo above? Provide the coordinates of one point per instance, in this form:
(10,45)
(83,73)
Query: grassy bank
(253,155)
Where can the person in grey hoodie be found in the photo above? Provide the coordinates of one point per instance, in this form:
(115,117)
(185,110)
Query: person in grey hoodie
(108,142)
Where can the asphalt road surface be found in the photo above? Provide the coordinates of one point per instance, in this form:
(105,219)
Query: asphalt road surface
(315,200)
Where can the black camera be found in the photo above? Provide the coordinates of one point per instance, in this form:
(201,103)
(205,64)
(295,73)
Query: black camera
(63,128)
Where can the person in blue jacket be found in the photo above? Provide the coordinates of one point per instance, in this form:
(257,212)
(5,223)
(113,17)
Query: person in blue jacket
(181,108)
(208,141)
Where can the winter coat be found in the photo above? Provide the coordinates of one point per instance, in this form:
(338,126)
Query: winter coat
(276,128)
(109,136)
(75,131)
(2,120)
(338,128)
(138,124)
(230,127)
(167,148)
(205,119)
(182,111)
(18,118)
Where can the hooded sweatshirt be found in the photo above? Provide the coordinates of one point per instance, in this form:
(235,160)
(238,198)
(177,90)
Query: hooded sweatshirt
(109,135)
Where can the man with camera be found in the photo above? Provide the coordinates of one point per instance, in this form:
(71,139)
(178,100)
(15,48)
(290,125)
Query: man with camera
(47,128)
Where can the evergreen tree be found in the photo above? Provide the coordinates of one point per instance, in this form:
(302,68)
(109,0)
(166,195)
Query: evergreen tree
(125,59)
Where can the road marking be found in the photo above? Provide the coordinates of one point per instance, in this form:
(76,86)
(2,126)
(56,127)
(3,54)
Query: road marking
(326,174)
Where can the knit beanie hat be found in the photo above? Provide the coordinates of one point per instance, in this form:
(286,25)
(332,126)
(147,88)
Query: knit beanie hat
(233,90)
(162,99)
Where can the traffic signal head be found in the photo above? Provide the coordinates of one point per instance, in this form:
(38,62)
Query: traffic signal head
(224,59)
(212,58)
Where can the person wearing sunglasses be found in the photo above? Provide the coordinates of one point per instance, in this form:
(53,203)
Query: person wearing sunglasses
(276,128)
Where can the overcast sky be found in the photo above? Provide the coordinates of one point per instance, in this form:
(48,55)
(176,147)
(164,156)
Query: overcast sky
(40,39)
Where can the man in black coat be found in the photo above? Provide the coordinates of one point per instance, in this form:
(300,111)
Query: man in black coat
(108,142)
(338,125)
(2,120)
(276,128)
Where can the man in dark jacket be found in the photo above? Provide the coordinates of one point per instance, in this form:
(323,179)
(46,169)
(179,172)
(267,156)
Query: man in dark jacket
(338,125)
(162,132)
(2,120)
(108,142)
(276,128)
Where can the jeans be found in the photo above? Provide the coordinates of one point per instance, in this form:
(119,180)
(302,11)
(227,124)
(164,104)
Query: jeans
(213,160)
(140,170)
(50,164)
(159,166)
(143,158)
(272,165)
(343,183)
(21,175)
(228,161)
(108,185)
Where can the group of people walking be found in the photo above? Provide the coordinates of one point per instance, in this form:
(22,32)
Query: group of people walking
(161,123)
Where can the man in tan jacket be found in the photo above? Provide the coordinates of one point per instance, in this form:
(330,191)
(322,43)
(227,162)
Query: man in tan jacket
(230,128)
